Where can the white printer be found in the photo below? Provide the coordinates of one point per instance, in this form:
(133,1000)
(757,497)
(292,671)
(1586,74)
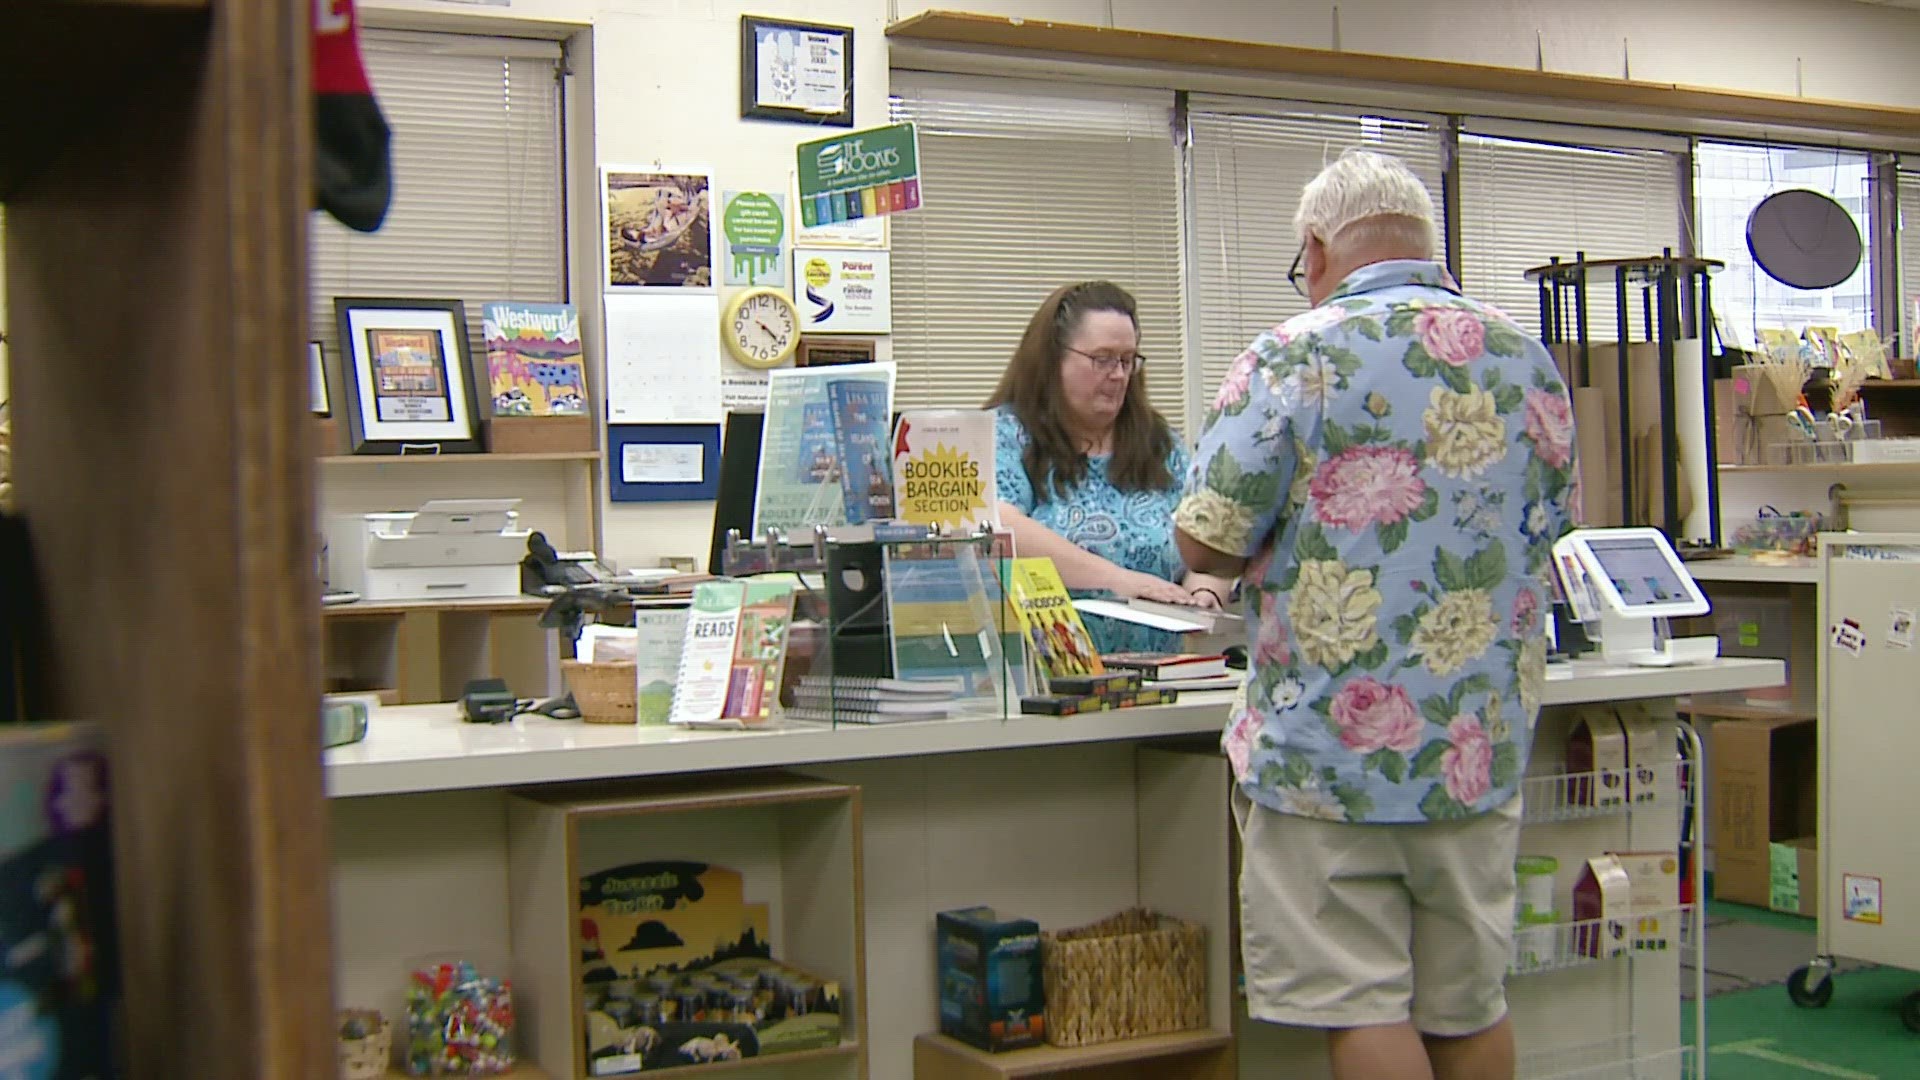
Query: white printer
(447,549)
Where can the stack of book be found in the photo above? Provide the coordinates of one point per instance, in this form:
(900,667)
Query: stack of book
(1070,695)
(1178,671)
(849,699)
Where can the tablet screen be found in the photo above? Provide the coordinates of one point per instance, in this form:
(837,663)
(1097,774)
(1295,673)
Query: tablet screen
(1641,572)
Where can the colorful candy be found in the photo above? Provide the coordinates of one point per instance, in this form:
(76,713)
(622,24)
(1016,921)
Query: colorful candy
(459,1023)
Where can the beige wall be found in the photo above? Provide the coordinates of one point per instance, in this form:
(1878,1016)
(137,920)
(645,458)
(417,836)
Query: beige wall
(665,82)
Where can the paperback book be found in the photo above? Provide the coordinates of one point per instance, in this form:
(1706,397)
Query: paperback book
(1057,641)
(734,653)
(534,364)
(860,409)
(943,469)
(798,486)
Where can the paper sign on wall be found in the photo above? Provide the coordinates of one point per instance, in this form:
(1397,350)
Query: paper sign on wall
(844,291)
(754,226)
(1900,628)
(1847,636)
(859,174)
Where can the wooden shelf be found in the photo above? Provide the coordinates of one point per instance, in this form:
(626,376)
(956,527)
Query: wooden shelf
(442,459)
(1890,384)
(1796,571)
(515,1073)
(1850,468)
(476,606)
(1084,42)
(1740,710)
(937,1057)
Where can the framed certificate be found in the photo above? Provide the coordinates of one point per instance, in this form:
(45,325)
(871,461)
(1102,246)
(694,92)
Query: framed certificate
(410,388)
(797,72)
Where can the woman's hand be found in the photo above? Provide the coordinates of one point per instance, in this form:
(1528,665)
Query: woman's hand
(1133,584)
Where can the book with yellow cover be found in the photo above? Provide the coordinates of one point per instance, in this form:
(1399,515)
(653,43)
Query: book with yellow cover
(1057,641)
(943,469)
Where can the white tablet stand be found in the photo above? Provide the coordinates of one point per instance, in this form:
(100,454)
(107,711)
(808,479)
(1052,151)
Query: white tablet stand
(1628,583)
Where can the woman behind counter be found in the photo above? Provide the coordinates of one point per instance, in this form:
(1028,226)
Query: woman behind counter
(1089,474)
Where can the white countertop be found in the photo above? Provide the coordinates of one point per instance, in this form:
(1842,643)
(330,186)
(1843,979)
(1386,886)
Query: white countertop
(1797,571)
(415,748)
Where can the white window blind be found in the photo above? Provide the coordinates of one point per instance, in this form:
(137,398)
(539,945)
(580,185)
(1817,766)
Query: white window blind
(1523,203)
(1251,160)
(476,213)
(1909,188)
(1730,179)
(1027,187)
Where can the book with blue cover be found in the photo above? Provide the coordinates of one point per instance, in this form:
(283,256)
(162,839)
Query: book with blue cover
(861,422)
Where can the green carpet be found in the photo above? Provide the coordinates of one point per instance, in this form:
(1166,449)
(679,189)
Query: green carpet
(1759,1034)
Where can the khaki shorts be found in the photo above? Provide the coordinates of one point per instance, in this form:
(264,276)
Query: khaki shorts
(1362,925)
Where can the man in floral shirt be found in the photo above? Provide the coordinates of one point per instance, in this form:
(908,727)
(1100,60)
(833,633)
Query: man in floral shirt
(1387,473)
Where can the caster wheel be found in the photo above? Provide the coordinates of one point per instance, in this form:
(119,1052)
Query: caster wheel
(1910,1012)
(1809,994)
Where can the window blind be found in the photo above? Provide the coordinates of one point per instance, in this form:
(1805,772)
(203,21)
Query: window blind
(1908,185)
(1523,202)
(1027,187)
(477,202)
(1730,179)
(1250,160)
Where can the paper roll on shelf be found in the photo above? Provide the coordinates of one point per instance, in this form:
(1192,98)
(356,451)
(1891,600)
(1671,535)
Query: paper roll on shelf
(1600,491)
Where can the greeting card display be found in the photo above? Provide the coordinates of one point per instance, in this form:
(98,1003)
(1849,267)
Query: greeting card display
(677,969)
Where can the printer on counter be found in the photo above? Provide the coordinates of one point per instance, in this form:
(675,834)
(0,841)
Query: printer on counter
(447,549)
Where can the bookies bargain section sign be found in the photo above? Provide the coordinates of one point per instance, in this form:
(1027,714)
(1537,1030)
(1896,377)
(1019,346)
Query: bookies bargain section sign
(860,174)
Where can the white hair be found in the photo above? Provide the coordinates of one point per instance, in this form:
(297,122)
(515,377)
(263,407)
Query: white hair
(1367,198)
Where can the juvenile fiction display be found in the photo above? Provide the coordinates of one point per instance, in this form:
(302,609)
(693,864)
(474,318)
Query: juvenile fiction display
(677,969)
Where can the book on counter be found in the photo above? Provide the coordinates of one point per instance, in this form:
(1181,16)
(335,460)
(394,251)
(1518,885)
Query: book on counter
(860,408)
(1168,666)
(1172,618)
(734,652)
(1057,641)
(943,469)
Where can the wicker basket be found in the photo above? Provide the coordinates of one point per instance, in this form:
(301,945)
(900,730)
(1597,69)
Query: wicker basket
(604,693)
(1134,974)
(368,1057)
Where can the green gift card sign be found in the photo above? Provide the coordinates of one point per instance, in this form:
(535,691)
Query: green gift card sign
(859,174)
(755,226)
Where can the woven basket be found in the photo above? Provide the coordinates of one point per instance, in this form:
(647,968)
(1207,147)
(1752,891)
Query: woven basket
(365,1058)
(604,693)
(1134,974)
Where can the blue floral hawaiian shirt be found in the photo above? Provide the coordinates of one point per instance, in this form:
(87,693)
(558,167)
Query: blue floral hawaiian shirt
(1395,465)
(1131,529)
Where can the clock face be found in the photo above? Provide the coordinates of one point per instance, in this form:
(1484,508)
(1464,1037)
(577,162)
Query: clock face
(764,330)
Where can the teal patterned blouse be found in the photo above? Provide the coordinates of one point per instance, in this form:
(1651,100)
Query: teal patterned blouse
(1133,529)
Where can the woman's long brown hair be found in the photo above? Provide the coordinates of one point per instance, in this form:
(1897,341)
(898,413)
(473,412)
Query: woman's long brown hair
(1031,388)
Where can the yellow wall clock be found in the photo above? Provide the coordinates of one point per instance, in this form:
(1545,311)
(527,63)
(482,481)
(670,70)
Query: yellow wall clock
(761,327)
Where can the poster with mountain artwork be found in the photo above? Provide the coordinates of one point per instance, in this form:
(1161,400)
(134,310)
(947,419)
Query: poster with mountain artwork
(677,968)
(860,425)
(534,361)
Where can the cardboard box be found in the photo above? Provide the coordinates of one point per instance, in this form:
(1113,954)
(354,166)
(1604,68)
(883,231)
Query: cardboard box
(1794,869)
(1603,904)
(1763,621)
(1644,757)
(1654,894)
(1597,756)
(1761,790)
(992,991)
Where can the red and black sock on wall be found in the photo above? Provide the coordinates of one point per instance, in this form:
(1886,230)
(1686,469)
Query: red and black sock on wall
(353,165)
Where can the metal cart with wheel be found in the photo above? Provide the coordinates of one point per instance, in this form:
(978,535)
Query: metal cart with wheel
(1869,887)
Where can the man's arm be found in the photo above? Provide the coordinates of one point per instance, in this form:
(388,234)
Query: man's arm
(1202,559)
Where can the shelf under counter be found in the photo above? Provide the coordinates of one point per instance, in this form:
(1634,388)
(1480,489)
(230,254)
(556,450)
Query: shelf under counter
(1796,571)
(937,1056)
(420,748)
